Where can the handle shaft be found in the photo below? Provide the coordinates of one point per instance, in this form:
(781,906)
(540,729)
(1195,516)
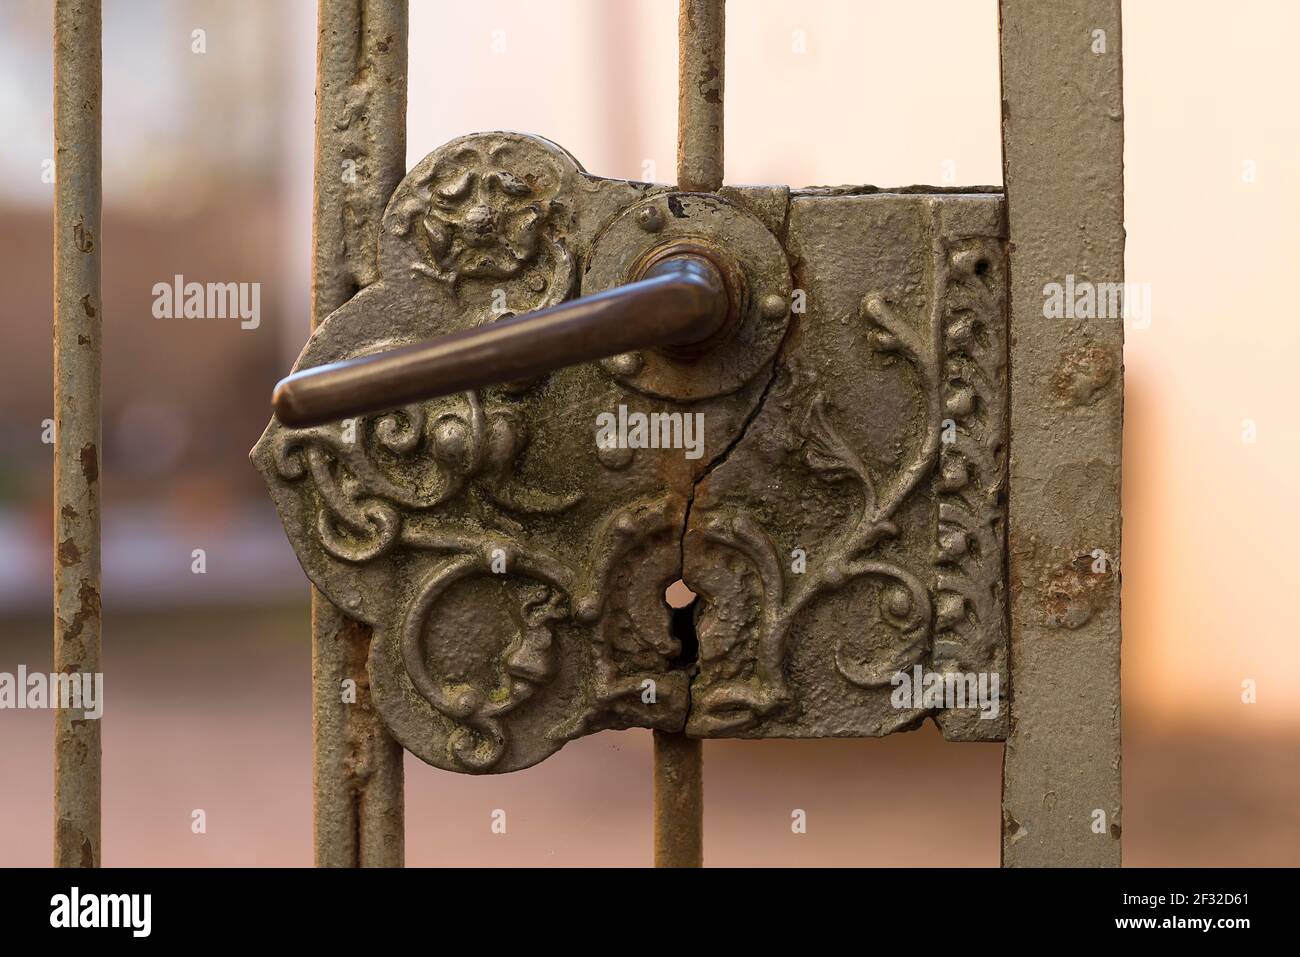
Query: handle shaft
(682,300)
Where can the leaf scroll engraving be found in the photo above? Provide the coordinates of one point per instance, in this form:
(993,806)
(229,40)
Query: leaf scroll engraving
(740,701)
(970,527)
(908,505)
(371,471)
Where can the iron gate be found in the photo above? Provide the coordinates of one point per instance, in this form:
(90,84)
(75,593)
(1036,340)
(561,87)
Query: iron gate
(1053,396)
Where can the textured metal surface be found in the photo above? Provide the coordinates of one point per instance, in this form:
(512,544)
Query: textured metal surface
(701,62)
(701,71)
(78,317)
(855,529)
(678,800)
(1063,145)
(514,568)
(360,157)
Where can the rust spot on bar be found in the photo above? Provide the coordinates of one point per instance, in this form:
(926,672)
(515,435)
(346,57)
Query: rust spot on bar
(90,463)
(68,552)
(1069,596)
(70,836)
(1012,829)
(84,238)
(88,608)
(708,88)
(1083,374)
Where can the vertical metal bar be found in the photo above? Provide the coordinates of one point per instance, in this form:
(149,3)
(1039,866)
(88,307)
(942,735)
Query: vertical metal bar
(1063,153)
(78,314)
(678,800)
(360,158)
(701,51)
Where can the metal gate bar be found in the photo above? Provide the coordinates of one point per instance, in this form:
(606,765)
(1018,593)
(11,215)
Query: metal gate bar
(701,59)
(78,315)
(1063,165)
(360,158)
(701,55)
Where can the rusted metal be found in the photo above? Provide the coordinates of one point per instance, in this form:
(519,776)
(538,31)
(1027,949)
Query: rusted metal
(681,301)
(701,55)
(852,533)
(513,563)
(360,157)
(78,317)
(1063,150)
(678,800)
(839,548)
(701,66)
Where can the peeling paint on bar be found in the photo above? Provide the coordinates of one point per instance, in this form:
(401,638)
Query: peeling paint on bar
(78,315)
(701,51)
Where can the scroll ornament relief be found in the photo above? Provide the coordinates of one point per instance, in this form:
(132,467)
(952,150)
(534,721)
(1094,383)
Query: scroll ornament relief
(420,521)
(941,606)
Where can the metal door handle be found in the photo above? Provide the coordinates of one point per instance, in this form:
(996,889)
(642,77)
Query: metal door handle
(680,302)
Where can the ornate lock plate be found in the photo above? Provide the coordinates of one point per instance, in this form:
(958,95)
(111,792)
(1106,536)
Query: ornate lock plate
(833,489)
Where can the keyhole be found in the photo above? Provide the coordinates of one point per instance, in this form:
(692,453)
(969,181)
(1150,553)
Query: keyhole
(678,595)
(681,602)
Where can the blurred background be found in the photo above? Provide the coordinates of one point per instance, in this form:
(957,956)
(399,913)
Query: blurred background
(207,173)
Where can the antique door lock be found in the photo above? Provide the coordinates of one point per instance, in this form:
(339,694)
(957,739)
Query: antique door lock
(565,393)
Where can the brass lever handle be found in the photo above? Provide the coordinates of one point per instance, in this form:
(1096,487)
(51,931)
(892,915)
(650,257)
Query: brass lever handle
(682,300)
